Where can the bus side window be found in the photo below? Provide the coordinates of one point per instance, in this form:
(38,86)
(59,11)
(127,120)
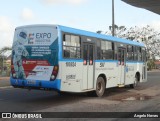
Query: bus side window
(107,49)
(98,49)
(115,51)
(139,54)
(135,54)
(66,52)
(144,56)
(71,46)
(130,55)
(119,56)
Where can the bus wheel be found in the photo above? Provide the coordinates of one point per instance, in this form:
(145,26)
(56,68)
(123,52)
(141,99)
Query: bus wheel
(135,82)
(100,87)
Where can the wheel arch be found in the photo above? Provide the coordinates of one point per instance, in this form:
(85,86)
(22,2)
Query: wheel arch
(104,77)
(138,75)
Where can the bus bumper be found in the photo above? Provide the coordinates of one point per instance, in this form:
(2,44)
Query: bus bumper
(36,84)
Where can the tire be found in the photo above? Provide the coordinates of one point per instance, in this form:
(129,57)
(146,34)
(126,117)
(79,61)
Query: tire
(100,87)
(135,84)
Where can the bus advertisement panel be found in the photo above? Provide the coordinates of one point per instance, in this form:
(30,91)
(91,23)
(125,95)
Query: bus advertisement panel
(35,53)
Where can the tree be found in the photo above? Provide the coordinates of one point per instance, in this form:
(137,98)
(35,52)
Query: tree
(4,49)
(148,36)
(3,57)
(118,30)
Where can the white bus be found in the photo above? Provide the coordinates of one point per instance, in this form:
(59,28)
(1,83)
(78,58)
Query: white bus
(73,60)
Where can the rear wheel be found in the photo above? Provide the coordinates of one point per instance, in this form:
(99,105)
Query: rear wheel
(100,87)
(135,82)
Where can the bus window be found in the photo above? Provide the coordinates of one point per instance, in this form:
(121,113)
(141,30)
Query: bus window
(123,56)
(107,50)
(66,52)
(67,40)
(139,54)
(119,57)
(115,51)
(130,55)
(113,57)
(144,55)
(98,49)
(135,54)
(71,46)
(75,41)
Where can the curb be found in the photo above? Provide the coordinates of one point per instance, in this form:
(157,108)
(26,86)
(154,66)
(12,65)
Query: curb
(5,87)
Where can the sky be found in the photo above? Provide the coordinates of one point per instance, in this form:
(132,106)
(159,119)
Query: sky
(90,15)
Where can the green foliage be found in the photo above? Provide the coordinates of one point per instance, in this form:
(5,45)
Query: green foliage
(4,67)
(4,49)
(150,65)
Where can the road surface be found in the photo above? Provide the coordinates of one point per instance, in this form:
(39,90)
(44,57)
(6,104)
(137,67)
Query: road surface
(144,98)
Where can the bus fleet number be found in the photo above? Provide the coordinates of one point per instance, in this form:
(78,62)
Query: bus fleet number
(70,64)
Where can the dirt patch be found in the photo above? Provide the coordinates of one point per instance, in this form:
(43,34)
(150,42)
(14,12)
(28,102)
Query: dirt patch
(137,94)
(101,101)
(140,98)
(130,97)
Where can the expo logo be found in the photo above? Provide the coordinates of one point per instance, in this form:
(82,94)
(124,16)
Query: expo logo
(43,35)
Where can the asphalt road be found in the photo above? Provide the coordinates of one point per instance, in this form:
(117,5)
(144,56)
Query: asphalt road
(144,98)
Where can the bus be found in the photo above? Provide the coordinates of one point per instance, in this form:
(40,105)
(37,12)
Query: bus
(66,59)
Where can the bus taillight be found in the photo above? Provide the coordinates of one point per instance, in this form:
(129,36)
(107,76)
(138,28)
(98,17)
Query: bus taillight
(54,73)
(12,69)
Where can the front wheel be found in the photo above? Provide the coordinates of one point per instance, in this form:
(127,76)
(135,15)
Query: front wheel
(100,87)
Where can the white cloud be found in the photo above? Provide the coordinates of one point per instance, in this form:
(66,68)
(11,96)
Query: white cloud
(6,31)
(5,24)
(153,24)
(27,14)
(74,2)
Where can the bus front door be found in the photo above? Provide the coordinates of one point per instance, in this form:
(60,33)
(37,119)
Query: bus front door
(88,66)
(121,65)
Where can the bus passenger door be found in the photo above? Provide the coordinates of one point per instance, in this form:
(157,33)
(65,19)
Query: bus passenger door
(88,66)
(122,65)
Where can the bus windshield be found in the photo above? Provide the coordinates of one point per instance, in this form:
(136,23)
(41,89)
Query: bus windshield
(34,53)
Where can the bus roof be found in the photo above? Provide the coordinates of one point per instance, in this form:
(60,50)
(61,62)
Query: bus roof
(96,35)
(86,33)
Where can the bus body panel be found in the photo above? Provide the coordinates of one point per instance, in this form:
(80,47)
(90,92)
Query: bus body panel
(107,68)
(71,71)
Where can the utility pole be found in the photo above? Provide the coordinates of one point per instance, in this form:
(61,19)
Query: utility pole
(113,25)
